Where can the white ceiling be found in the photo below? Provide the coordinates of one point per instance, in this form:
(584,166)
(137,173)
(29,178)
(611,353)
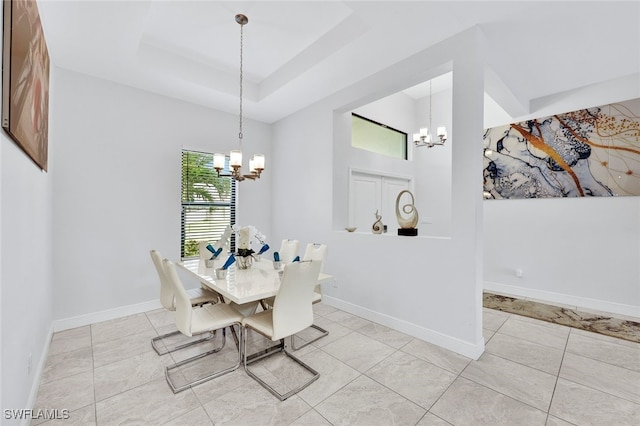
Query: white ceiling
(298,52)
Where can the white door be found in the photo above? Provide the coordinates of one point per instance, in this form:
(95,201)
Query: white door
(368,193)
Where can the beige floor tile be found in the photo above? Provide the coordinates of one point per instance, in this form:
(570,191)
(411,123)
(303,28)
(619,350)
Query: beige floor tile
(554,421)
(582,405)
(122,348)
(607,339)
(525,352)
(604,350)
(539,322)
(358,351)
(468,403)
(436,355)
(385,335)
(120,327)
(368,403)
(85,416)
(348,320)
(234,383)
(148,404)
(161,318)
(197,417)
(617,381)
(533,387)
(323,309)
(259,407)
(358,369)
(334,374)
(70,340)
(70,393)
(487,335)
(493,320)
(430,419)
(555,337)
(417,380)
(120,376)
(311,418)
(66,364)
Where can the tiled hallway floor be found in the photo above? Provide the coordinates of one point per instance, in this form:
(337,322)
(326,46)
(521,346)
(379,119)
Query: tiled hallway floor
(532,373)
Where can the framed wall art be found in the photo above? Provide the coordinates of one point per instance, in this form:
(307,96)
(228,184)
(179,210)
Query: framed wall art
(593,152)
(25,79)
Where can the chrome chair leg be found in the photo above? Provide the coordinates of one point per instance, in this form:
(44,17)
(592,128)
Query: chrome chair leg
(163,351)
(213,375)
(320,329)
(249,359)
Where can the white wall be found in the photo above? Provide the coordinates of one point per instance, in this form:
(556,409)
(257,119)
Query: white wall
(427,287)
(117,189)
(434,173)
(25,269)
(576,251)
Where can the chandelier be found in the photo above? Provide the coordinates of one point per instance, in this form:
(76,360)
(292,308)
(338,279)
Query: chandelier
(424,137)
(256,163)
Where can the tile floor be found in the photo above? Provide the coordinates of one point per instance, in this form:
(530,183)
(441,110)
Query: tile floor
(532,373)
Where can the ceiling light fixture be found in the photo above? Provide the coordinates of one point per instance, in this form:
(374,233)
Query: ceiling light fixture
(424,137)
(256,164)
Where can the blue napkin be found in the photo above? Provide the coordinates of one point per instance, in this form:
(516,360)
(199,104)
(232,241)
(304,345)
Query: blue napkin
(296,259)
(276,256)
(215,252)
(229,262)
(264,248)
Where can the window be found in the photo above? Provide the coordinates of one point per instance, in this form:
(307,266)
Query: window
(373,136)
(208,201)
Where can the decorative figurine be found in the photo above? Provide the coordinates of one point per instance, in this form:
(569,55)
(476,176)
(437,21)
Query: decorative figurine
(377,227)
(408,224)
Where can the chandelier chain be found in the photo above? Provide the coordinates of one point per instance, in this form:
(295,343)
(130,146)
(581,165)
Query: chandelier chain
(241,76)
(430,97)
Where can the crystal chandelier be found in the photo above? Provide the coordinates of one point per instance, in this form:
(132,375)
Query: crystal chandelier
(256,163)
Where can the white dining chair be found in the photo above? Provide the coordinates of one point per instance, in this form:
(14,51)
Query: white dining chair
(197,297)
(196,320)
(292,312)
(288,251)
(316,252)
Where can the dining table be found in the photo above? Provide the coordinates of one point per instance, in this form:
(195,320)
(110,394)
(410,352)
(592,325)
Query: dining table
(258,282)
(242,286)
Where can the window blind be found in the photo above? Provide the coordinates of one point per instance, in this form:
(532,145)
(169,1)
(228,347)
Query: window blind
(208,201)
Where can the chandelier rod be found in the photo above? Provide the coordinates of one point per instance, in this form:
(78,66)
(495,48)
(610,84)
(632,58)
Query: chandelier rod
(242,20)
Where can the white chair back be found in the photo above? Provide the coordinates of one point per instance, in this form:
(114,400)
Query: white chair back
(182,300)
(292,309)
(288,250)
(167,298)
(317,252)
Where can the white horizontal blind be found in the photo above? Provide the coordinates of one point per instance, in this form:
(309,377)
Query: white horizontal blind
(208,201)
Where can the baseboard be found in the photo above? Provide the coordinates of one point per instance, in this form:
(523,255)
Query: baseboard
(109,314)
(37,377)
(456,345)
(563,299)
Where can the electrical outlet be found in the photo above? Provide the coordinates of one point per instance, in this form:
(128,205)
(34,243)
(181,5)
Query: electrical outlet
(29,363)
(519,273)
(334,283)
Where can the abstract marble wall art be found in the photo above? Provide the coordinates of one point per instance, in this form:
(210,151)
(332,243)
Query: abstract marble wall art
(590,152)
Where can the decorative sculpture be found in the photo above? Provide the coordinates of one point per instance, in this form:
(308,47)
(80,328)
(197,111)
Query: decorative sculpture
(408,224)
(377,227)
